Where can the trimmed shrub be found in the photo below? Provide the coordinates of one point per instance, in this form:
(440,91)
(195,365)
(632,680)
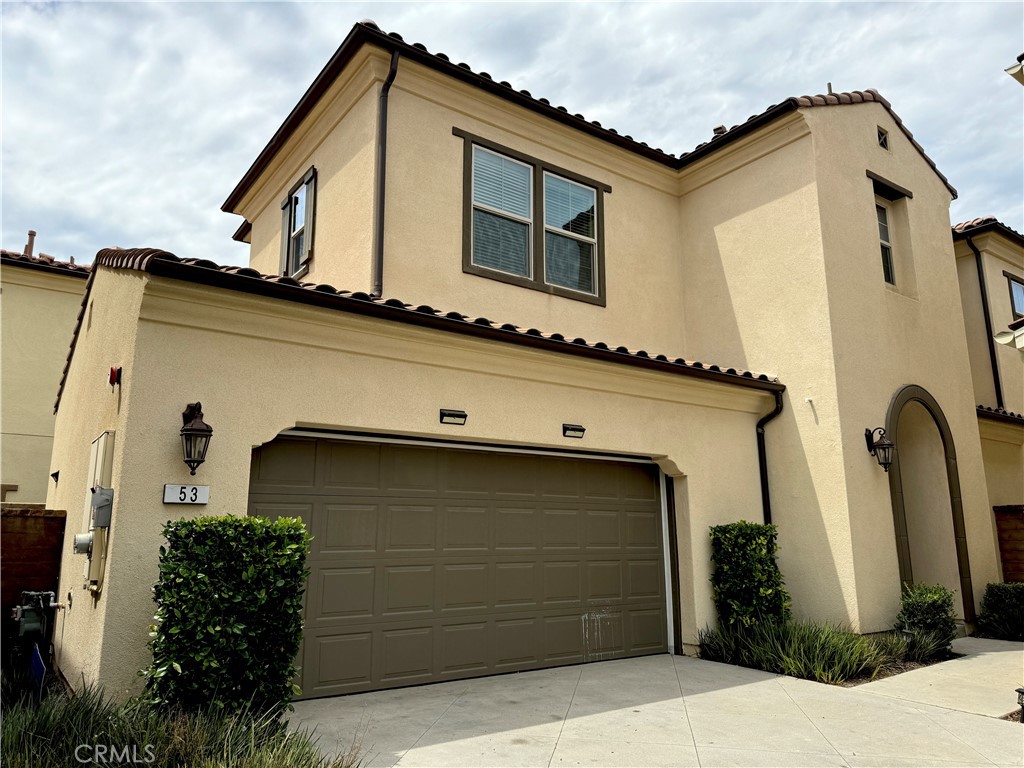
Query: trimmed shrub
(927,613)
(1002,611)
(748,587)
(229,613)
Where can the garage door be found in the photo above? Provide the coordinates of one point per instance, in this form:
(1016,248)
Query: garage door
(432,564)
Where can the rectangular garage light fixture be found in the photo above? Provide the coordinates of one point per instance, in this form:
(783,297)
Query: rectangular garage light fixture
(573,430)
(449,416)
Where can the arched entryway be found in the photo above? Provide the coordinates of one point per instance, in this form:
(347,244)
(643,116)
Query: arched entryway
(931,539)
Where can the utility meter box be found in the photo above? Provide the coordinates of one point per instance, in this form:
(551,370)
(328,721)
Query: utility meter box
(102,503)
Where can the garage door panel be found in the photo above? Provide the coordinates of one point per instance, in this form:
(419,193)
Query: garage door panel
(558,478)
(342,593)
(284,464)
(348,528)
(647,630)
(645,579)
(338,662)
(604,581)
(562,583)
(560,529)
(603,635)
(409,470)
(516,585)
(465,587)
(411,528)
(604,529)
(466,529)
(516,528)
(407,654)
(408,589)
(641,485)
(464,648)
(350,467)
(643,530)
(517,643)
(563,639)
(439,564)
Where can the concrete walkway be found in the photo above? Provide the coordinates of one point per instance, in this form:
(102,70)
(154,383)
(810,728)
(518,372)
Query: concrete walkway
(679,711)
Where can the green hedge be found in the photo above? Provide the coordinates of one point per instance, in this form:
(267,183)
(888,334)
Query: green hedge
(229,613)
(748,587)
(1002,611)
(927,613)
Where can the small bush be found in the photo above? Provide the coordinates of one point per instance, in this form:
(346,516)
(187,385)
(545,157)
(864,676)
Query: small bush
(748,587)
(1002,611)
(826,653)
(927,613)
(229,613)
(48,735)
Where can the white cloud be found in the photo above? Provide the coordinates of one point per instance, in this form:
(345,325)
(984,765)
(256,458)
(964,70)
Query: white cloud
(128,124)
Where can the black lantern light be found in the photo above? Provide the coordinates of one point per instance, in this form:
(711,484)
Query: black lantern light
(1020,703)
(195,435)
(880,447)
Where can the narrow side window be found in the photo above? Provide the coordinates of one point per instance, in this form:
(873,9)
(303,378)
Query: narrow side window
(885,240)
(297,219)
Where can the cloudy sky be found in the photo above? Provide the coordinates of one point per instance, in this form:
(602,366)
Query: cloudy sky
(129,123)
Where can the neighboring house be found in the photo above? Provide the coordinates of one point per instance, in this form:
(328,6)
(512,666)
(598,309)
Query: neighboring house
(636,345)
(990,262)
(39,302)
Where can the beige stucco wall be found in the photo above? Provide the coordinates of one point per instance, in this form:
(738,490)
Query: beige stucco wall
(90,406)
(260,367)
(1002,445)
(887,338)
(37,314)
(339,139)
(927,505)
(754,292)
(424,228)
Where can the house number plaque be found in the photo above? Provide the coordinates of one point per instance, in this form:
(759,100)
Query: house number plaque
(186,494)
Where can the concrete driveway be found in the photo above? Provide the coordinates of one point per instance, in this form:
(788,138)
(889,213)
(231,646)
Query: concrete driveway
(680,711)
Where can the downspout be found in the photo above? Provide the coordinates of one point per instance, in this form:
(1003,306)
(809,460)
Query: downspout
(762,458)
(988,323)
(380,176)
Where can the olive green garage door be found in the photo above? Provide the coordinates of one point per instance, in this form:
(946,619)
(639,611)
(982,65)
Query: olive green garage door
(432,564)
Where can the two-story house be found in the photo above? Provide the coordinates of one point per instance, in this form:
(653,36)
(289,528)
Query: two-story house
(509,365)
(39,300)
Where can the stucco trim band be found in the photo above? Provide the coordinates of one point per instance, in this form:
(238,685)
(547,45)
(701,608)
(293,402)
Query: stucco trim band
(164,264)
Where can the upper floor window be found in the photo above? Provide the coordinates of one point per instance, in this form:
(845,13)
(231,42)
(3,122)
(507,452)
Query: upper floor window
(893,240)
(885,239)
(531,224)
(1016,295)
(298,210)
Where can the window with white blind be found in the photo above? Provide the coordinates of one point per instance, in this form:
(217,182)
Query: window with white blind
(531,224)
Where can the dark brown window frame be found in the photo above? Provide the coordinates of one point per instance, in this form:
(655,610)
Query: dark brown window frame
(302,267)
(540,167)
(1010,280)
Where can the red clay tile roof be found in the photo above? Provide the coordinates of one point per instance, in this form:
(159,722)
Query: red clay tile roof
(367,32)
(1000,414)
(158,262)
(986,224)
(44,263)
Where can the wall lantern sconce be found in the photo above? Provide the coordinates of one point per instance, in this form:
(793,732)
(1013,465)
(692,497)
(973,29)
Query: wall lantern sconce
(1020,703)
(449,416)
(573,430)
(880,448)
(195,436)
